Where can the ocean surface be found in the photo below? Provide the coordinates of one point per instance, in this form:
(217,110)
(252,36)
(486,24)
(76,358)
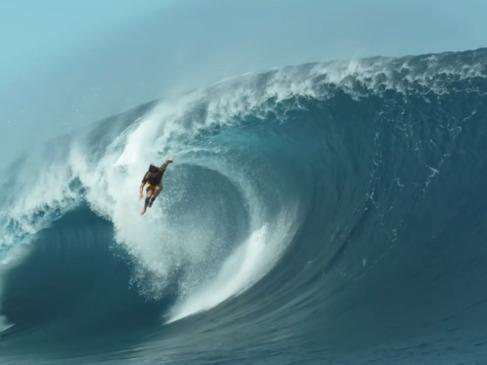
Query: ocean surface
(326,213)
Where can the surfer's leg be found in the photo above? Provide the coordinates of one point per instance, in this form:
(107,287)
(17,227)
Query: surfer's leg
(156,192)
(147,202)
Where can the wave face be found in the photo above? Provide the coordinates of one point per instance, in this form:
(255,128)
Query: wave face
(319,213)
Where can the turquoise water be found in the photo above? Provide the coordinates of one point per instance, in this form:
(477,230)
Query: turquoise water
(323,213)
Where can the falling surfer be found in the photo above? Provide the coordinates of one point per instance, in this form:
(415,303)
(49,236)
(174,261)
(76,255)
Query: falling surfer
(153,180)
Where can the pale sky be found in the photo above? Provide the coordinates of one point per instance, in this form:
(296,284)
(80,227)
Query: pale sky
(65,63)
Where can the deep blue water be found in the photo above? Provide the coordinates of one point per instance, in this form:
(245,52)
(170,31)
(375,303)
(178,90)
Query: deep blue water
(318,214)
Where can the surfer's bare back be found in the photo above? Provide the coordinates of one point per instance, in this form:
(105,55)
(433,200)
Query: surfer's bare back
(153,180)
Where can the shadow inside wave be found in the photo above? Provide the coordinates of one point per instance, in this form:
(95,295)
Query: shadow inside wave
(74,284)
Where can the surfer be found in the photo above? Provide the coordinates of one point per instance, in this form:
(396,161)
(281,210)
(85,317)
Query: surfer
(153,180)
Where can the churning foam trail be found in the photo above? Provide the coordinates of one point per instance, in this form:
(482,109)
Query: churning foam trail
(245,266)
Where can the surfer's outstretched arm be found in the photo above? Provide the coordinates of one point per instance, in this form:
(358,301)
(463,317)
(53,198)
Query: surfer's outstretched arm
(165,164)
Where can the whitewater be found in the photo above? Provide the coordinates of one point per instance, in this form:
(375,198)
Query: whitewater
(320,213)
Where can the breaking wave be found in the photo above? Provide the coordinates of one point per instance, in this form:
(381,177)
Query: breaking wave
(318,212)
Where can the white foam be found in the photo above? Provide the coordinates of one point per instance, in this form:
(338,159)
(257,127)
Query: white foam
(250,261)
